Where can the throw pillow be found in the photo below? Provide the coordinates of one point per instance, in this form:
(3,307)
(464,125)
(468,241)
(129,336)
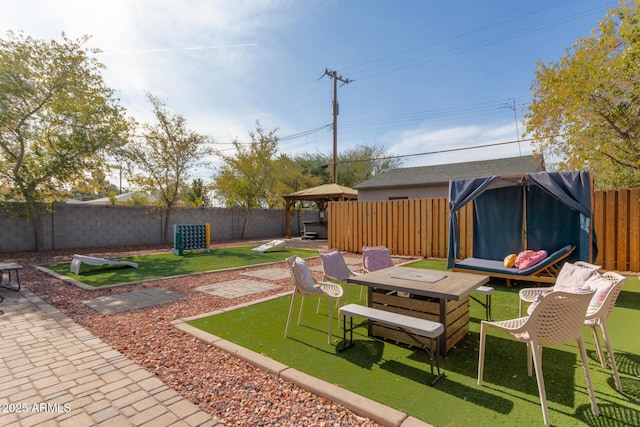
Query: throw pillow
(376,258)
(509,260)
(572,277)
(601,287)
(304,274)
(534,259)
(523,256)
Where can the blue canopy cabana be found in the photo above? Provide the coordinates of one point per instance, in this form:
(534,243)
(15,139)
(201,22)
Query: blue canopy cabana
(546,210)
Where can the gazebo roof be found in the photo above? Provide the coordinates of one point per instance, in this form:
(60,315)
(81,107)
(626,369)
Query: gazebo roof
(320,195)
(324,192)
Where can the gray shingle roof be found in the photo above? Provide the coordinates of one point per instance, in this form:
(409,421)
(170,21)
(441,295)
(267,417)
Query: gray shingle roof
(440,174)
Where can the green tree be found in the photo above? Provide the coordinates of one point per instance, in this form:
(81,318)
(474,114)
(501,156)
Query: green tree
(247,179)
(58,120)
(196,194)
(363,162)
(316,165)
(295,175)
(355,165)
(292,177)
(160,163)
(586,107)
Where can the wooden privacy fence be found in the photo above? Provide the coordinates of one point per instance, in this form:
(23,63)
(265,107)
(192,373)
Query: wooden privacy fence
(413,227)
(617,225)
(419,227)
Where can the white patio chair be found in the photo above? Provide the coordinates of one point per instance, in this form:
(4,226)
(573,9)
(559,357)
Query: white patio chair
(558,318)
(570,278)
(336,270)
(307,286)
(607,289)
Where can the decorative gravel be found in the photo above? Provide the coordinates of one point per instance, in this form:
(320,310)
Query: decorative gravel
(230,389)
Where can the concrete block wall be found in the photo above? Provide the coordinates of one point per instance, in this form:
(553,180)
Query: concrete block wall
(92,226)
(16,234)
(67,226)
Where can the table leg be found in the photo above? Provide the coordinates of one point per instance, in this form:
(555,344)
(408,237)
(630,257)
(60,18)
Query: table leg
(9,283)
(369,301)
(443,319)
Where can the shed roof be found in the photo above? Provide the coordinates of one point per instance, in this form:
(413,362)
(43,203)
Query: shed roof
(442,174)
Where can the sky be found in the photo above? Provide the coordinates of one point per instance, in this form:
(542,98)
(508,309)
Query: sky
(427,80)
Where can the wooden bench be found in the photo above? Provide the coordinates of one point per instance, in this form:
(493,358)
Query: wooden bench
(414,327)
(79,259)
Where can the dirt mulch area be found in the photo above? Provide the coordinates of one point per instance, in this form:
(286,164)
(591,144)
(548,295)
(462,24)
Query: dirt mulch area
(230,389)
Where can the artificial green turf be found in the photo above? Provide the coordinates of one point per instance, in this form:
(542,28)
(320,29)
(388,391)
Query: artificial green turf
(166,265)
(397,376)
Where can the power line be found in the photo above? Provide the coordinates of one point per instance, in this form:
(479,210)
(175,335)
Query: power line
(459,36)
(422,59)
(450,150)
(386,67)
(401,120)
(306,133)
(388,122)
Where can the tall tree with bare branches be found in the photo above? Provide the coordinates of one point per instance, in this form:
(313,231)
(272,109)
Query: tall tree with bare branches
(161,161)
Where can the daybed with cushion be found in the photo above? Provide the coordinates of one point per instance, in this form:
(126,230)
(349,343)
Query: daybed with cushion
(546,271)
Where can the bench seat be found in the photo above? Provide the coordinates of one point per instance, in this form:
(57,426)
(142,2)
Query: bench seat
(412,326)
(487,291)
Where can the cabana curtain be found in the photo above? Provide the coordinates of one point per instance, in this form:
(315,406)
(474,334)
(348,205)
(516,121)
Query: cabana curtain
(545,210)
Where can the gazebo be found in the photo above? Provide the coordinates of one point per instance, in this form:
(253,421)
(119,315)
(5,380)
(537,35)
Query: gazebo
(320,195)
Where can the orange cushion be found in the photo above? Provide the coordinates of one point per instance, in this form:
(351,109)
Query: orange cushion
(509,260)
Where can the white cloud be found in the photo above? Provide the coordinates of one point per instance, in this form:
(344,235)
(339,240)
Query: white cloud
(150,46)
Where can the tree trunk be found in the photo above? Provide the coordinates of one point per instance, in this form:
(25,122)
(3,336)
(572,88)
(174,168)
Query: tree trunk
(36,221)
(246,221)
(165,232)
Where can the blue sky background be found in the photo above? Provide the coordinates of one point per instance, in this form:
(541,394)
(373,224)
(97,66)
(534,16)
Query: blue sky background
(428,76)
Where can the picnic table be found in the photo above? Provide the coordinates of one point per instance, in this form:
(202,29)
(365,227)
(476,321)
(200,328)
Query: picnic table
(441,296)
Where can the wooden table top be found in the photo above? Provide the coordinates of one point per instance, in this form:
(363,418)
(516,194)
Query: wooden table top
(419,281)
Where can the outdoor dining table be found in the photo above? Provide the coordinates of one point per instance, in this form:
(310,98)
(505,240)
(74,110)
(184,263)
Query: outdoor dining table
(440,296)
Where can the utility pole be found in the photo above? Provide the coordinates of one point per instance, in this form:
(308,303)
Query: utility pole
(515,116)
(334,75)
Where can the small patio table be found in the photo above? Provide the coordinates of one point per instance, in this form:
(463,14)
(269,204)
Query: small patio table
(441,296)
(6,269)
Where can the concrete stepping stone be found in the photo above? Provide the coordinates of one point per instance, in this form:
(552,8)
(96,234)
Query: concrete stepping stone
(236,288)
(132,300)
